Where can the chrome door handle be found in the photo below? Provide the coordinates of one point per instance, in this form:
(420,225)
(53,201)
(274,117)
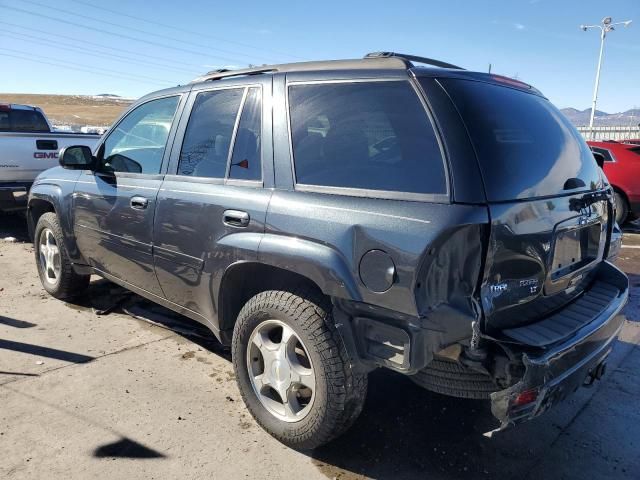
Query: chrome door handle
(139,203)
(235,218)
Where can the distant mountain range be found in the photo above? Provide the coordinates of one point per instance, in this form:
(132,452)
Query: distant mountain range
(603,119)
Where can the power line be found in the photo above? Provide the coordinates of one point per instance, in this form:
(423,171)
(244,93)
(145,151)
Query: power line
(78,67)
(133,29)
(85,51)
(184,30)
(144,32)
(97,45)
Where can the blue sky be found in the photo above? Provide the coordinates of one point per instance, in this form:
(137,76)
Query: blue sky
(91,49)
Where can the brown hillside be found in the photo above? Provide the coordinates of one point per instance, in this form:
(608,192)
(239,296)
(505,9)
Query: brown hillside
(75,110)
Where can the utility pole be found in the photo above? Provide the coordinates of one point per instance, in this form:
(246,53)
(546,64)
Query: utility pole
(605,27)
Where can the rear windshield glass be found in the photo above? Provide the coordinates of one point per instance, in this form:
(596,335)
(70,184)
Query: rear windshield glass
(364,135)
(525,146)
(27,121)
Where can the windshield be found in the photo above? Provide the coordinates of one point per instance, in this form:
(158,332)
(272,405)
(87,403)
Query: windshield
(525,146)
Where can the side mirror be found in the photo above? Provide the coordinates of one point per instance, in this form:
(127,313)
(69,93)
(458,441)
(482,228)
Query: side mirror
(599,159)
(77,157)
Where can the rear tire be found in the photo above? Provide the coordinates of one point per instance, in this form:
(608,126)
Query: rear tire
(56,272)
(455,380)
(334,391)
(622,208)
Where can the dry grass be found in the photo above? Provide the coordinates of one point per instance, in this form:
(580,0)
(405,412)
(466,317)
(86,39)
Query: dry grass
(75,110)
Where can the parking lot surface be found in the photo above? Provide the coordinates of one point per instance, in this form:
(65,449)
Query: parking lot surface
(147,394)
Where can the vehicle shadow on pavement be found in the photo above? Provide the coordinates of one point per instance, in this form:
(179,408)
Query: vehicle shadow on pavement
(631,227)
(13,226)
(632,309)
(407,432)
(105,297)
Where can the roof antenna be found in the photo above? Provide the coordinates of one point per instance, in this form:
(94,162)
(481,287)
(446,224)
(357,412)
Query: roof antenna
(489,68)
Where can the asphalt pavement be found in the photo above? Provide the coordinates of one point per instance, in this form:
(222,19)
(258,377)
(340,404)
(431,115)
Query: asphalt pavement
(148,394)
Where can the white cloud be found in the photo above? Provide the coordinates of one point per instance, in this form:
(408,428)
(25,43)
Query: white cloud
(519,26)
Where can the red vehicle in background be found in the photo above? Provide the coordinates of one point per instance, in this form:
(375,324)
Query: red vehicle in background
(622,167)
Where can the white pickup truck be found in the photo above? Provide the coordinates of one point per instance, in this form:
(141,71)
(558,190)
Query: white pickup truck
(27,147)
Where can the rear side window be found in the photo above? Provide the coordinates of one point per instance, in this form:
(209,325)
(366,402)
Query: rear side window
(604,152)
(364,135)
(205,149)
(25,121)
(526,147)
(245,160)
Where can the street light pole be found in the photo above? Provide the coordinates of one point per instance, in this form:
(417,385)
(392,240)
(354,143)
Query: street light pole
(605,27)
(603,35)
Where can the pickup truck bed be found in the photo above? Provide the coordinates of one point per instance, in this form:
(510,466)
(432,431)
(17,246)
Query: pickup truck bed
(27,148)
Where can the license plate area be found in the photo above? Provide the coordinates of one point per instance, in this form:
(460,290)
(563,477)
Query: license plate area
(574,248)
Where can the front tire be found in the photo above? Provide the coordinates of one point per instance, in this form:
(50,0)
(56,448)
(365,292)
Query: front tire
(292,369)
(56,272)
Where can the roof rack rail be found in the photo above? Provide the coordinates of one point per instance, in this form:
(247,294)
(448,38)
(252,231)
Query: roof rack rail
(225,72)
(413,58)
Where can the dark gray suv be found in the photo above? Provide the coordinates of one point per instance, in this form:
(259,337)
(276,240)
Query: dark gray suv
(328,218)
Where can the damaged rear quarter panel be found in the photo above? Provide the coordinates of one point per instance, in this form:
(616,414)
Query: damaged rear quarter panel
(444,239)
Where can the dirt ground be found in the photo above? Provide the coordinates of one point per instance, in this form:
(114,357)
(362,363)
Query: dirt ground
(111,396)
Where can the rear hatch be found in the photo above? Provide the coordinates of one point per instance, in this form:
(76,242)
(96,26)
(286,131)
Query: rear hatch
(547,201)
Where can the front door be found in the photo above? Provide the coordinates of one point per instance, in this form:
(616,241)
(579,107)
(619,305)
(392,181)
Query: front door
(212,205)
(114,206)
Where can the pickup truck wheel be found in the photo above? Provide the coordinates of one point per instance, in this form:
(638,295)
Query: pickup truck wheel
(292,369)
(54,268)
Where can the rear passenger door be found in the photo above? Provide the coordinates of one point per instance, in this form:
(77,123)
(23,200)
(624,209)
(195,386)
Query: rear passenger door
(212,205)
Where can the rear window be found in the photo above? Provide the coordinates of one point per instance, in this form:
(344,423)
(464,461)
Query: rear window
(525,146)
(635,150)
(27,121)
(364,135)
(604,152)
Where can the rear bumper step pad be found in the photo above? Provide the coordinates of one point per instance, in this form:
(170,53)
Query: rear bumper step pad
(568,320)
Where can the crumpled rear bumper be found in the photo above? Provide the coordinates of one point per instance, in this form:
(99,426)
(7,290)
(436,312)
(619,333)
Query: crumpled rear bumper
(562,368)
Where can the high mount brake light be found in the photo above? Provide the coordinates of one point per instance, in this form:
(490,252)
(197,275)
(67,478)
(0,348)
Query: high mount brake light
(511,81)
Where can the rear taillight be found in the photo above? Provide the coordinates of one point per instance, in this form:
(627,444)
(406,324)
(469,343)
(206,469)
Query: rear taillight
(526,397)
(5,107)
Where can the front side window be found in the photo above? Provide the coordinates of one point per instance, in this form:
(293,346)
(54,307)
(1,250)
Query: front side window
(364,135)
(205,149)
(138,142)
